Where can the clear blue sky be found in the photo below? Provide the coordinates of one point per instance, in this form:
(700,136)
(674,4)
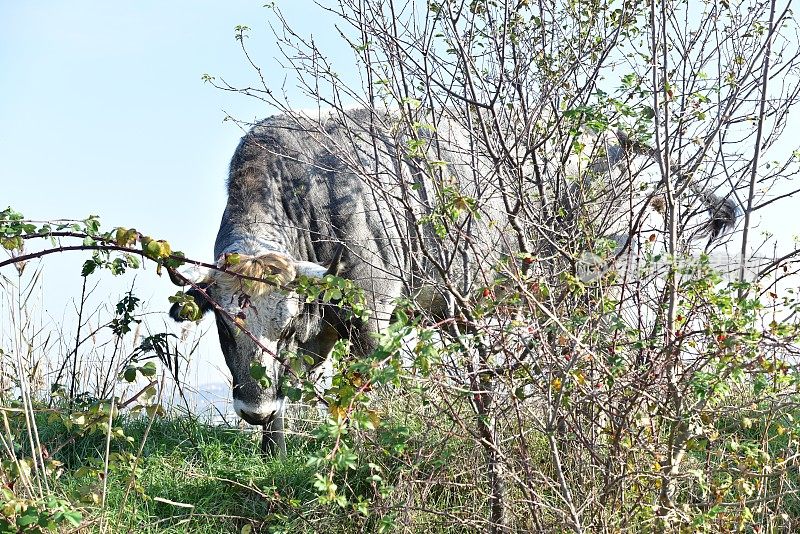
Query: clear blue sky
(103,111)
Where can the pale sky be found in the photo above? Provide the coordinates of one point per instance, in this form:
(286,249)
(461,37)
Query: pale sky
(104,111)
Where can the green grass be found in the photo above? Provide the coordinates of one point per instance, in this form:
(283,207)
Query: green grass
(194,477)
(198,478)
(215,480)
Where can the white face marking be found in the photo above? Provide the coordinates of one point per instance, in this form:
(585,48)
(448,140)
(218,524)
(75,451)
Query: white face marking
(266,317)
(266,313)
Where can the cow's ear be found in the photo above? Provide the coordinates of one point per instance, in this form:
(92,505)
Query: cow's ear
(308,323)
(176,311)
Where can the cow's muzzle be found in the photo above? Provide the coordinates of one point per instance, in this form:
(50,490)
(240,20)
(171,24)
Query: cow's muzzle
(258,414)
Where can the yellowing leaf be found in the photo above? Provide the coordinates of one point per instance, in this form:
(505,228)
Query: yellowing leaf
(78,419)
(338,412)
(374,417)
(164,249)
(126,236)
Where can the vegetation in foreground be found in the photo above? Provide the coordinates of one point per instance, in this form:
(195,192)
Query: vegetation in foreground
(189,477)
(399,451)
(603,378)
(176,474)
(179,475)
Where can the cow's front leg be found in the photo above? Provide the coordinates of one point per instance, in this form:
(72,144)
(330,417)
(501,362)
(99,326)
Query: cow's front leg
(273,441)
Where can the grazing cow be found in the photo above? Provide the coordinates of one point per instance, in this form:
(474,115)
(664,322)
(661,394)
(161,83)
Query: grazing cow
(339,196)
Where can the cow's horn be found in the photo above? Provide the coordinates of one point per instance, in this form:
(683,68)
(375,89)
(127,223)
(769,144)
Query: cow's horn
(315,270)
(186,276)
(175,277)
(335,264)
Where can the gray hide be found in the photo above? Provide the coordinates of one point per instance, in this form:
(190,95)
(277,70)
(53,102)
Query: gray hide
(299,188)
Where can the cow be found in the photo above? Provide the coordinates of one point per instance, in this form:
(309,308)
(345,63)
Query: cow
(343,195)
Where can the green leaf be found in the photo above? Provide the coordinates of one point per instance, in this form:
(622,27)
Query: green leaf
(92,225)
(88,267)
(148,369)
(191,311)
(257,371)
(232,258)
(130,374)
(152,249)
(73,518)
(294,394)
(30,517)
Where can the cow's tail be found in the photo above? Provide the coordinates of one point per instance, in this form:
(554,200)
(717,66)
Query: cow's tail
(723,211)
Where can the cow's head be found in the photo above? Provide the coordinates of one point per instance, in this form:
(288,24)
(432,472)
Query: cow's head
(258,323)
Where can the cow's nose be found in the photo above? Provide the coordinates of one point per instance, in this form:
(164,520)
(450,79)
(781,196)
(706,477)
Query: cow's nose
(256,414)
(255,418)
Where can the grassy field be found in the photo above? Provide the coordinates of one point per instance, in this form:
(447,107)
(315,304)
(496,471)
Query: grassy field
(191,477)
(177,474)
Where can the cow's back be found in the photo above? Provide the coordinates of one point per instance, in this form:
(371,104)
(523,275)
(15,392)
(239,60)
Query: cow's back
(302,186)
